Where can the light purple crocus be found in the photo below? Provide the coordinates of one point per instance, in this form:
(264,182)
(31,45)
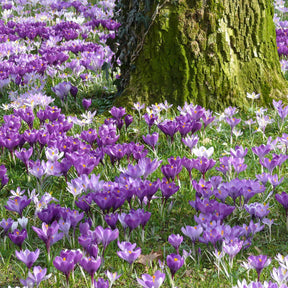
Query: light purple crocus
(28,257)
(154,281)
(127,252)
(35,278)
(258,263)
(175,241)
(49,234)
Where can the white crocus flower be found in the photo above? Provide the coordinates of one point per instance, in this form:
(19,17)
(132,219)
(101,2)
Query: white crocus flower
(53,154)
(253,96)
(237,133)
(203,152)
(23,222)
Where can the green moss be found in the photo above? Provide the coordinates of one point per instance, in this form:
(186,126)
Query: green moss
(210,56)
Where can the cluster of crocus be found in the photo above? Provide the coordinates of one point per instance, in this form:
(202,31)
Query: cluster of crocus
(54,149)
(32,49)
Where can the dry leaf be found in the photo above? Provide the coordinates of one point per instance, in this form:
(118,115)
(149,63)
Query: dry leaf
(147,260)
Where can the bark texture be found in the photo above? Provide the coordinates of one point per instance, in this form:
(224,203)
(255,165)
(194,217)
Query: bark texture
(209,53)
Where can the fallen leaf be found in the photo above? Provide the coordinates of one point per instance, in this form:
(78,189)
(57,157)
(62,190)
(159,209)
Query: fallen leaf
(147,260)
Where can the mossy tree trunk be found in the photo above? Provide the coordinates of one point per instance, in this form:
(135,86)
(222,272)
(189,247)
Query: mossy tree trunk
(209,52)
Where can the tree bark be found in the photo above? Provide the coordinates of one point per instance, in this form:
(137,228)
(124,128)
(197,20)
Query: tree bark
(207,52)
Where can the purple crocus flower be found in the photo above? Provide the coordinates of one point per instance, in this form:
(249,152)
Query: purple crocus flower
(24,155)
(261,150)
(258,263)
(175,241)
(62,90)
(190,141)
(132,220)
(174,262)
(127,252)
(101,283)
(170,171)
(27,115)
(151,139)
(168,189)
(6,225)
(18,237)
(232,122)
(74,91)
(148,166)
(154,281)
(117,113)
(17,204)
(28,257)
(105,236)
(192,232)
(169,128)
(257,209)
(35,278)
(49,234)
(232,247)
(203,165)
(3,176)
(86,103)
(65,264)
(238,152)
(150,120)
(269,164)
(111,220)
(128,120)
(90,265)
(283,200)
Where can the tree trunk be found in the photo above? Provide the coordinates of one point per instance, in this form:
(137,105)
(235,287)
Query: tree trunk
(207,52)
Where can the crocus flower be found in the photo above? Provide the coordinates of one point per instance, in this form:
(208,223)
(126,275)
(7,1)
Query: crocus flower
(117,112)
(35,278)
(6,225)
(17,193)
(261,150)
(18,237)
(101,283)
(283,200)
(127,251)
(90,265)
(128,120)
(111,220)
(17,204)
(192,232)
(203,152)
(24,155)
(49,234)
(62,90)
(258,263)
(168,189)
(105,236)
(190,141)
(28,257)
(175,241)
(151,139)
(154,281)
(137,106)
(174,262)
(232,122)
(203,165)
(112,277)
(86,103)
(232,247)
(169,128)
(65,265)
(269,164)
